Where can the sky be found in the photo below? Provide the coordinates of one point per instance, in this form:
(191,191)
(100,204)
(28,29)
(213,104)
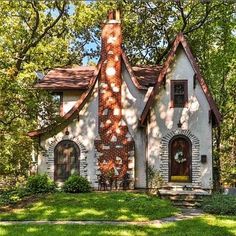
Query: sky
(90,45)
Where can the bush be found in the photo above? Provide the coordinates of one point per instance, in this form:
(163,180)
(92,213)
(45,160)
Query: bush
(155,180)
(34,184)
(13,196)
(76,184)
(40,184)
(220,204)
(10,182)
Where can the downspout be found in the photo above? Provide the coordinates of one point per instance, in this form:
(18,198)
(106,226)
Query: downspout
(38,146)
(146,151)
(212,167)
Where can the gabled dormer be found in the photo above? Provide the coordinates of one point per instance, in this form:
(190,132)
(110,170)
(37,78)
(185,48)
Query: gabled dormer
(67,85)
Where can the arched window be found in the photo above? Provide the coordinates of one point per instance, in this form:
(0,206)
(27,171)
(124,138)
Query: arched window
(66,160)
(180,160)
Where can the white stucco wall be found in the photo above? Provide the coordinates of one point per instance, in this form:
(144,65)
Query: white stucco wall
(194,118)
(69,99)
(133,103)
(82,131)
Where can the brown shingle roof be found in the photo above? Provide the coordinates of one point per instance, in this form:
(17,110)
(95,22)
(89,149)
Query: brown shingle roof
(146,75)
(79,77)
(67,78)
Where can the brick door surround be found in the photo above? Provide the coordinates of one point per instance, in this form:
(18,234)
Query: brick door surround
(196,163)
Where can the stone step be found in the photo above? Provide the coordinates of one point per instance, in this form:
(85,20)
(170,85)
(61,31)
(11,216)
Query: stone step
(179,192)
(187,204)
(184,198)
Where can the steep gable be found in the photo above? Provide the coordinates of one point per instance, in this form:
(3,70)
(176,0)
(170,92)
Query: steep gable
(180,40)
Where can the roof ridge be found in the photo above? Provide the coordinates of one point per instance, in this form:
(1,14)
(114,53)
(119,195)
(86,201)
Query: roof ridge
(153,66)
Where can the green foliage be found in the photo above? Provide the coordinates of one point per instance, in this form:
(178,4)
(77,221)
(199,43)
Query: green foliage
(76,184)
(13,196)
(34,185)
(8,183)
(34,36)
(220,204)
(40,184)
(155,180)
(15,155)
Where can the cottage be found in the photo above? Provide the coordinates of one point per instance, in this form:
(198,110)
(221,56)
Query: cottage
(119,121)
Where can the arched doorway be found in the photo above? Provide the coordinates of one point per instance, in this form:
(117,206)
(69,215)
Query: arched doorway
(66,160)
(180,159)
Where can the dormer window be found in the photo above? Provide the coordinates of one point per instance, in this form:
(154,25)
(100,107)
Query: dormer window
(179,93)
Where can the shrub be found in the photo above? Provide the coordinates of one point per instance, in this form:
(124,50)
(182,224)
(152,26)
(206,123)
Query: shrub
(40,184)
(13,196)
(76,184)
(220,204)
(10,182)
(155,180)
(34,184)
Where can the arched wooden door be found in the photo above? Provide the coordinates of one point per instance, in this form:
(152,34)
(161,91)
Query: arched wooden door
(66,160)
(180,160)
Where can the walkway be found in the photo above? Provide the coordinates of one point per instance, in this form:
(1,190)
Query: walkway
(185,214)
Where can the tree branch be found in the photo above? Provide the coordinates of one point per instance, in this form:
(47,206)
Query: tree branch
(165,52)
(48,28)
(34,43)
(37,19)
(181,9)
(8,122)
(201,22)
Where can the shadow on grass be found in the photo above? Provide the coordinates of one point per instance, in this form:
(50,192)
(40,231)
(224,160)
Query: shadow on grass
(122,206)
(209,226)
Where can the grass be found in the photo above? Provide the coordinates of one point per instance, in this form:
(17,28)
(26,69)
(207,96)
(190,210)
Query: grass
(200,226)
(121,206)
(220,204)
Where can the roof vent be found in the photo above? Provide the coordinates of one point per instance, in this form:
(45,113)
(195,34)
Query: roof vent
(39,75)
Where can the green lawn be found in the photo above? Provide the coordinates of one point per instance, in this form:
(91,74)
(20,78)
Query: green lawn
(200,226)
(122,206)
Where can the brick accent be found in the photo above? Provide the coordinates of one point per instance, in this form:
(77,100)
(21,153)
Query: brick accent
(49,155)
(114,145)
(164,156)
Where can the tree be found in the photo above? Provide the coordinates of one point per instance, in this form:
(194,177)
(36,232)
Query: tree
(216,53)
(35,35)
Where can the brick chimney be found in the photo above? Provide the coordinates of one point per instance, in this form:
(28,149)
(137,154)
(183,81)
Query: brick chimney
(114,146)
